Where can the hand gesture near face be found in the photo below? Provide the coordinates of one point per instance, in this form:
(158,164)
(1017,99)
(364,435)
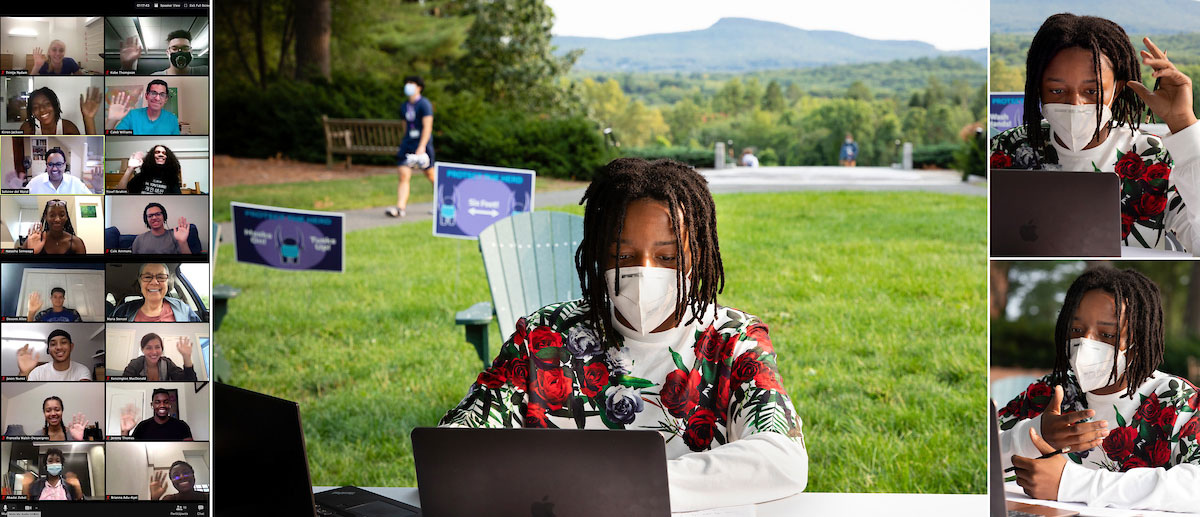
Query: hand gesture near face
(36,238)
(1061,430)
(78,424)
(184,345)
(1173,100)
(158,485)
(73,480)
(90,104)
(120,104)
(35,303)
(128,419)
(27,359)
(181,233)
(131,50)
(39,59)
(135,159)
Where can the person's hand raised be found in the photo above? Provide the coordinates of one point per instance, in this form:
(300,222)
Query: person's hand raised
(35,302)
(181,234)
(36,238)
(184,345)
(1061,430)
(27,359)
(1172,102)
(131,50)
(128,419)
(78,424)
(135,159)
(120,104)
(90,104)
(158,485)
(39,59)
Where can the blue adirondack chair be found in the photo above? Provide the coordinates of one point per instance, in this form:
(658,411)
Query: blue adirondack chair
(530,262)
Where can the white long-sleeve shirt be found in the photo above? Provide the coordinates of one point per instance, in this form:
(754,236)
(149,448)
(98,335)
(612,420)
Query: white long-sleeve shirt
(731,434)
(1149,461)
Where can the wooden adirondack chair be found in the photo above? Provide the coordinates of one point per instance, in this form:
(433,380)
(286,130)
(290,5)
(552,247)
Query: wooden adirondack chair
(530,262)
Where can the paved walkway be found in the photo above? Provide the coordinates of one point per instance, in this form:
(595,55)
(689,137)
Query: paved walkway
(760,179)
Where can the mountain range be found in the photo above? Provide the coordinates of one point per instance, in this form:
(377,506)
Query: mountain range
(740,45)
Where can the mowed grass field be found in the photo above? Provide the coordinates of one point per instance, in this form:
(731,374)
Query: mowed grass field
(875,303)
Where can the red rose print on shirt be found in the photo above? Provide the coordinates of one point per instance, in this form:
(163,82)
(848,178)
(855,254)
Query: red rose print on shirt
(1149,410)
(679,394)
(1158,171)
(535,415)
(492,377)
(518,372)
(543,337)
(552,386)
(595,378)
(700,429)
(758,333)
(1000,160)
(1151,204)
(1130,166)
(746,367)
(1119,443)
(1159,453)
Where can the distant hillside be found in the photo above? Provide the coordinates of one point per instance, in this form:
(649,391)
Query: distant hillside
(739,45)
(1160,17)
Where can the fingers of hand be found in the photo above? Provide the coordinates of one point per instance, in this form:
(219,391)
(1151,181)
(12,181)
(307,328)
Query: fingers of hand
(1055,406)
(1154,50)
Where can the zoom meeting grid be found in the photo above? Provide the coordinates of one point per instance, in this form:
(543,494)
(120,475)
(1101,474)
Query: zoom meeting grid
(105,246)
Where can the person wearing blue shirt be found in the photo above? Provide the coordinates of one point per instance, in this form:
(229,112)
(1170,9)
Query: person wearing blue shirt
(848,157)
(57,313)
(416,149)
(151,120)
(55,62)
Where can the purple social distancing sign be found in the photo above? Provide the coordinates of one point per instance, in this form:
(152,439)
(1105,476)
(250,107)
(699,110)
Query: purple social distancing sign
(288,238)
(469,198)
(1006,110)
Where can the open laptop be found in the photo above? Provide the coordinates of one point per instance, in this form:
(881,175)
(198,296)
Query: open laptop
(262,463)
(1054,214)
(540,472)
(1000,507)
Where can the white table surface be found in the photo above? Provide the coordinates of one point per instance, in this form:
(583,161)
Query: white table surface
(814,503)
(1139,252)
(1014,493)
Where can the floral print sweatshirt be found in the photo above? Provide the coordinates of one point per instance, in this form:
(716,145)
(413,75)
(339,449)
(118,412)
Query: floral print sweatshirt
(1150,459)
(710,388)
(1157,187)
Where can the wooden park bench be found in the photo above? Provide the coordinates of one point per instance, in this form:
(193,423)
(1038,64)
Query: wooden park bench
(361,136)
(530,263)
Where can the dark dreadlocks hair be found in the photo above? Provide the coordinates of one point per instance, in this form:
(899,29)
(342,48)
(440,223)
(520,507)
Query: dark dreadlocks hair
(67,227)
(1139,319)
(685,192)
(1098,35)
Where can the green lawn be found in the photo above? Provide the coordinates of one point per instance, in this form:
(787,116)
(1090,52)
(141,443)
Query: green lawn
(876,304)
(339,195)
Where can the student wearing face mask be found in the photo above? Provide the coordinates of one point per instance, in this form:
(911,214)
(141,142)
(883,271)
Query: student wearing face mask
(1083,78)
(179,55)
(648,347)
(416,149)
(55,485)
(1129,429)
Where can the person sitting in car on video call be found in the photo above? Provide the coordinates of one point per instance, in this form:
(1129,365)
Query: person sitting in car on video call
(154,280)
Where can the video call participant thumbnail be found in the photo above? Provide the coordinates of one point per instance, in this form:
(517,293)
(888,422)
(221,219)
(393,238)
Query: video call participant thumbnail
(55,429)
(54,234)
(54,61)
(61,368)
(160,240)
(155,367)
(56,180)
(55,485)
(57,313)
(154,281)
(183,478)
(161,426)
(45,113)
(179,54)
(151,120)
(161,174)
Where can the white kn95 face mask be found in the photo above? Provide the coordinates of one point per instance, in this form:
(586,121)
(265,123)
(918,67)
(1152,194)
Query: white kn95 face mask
(648,295)
(1092,362)
(1075,125)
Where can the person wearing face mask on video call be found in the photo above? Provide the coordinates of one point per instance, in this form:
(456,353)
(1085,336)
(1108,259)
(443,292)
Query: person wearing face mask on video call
(179,55)
(653,350)
(1084,78)
(1129,430)
(55,485)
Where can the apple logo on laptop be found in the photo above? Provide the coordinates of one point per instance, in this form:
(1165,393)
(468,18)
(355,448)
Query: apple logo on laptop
(543,508)
(1029,231)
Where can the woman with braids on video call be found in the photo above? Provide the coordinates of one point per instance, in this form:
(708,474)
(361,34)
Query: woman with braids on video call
(1129,431)
(1084,101)
(654,350)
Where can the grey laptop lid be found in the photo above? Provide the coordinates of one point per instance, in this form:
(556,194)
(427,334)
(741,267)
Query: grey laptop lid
(540,472)
(1054,214)
(995,475)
